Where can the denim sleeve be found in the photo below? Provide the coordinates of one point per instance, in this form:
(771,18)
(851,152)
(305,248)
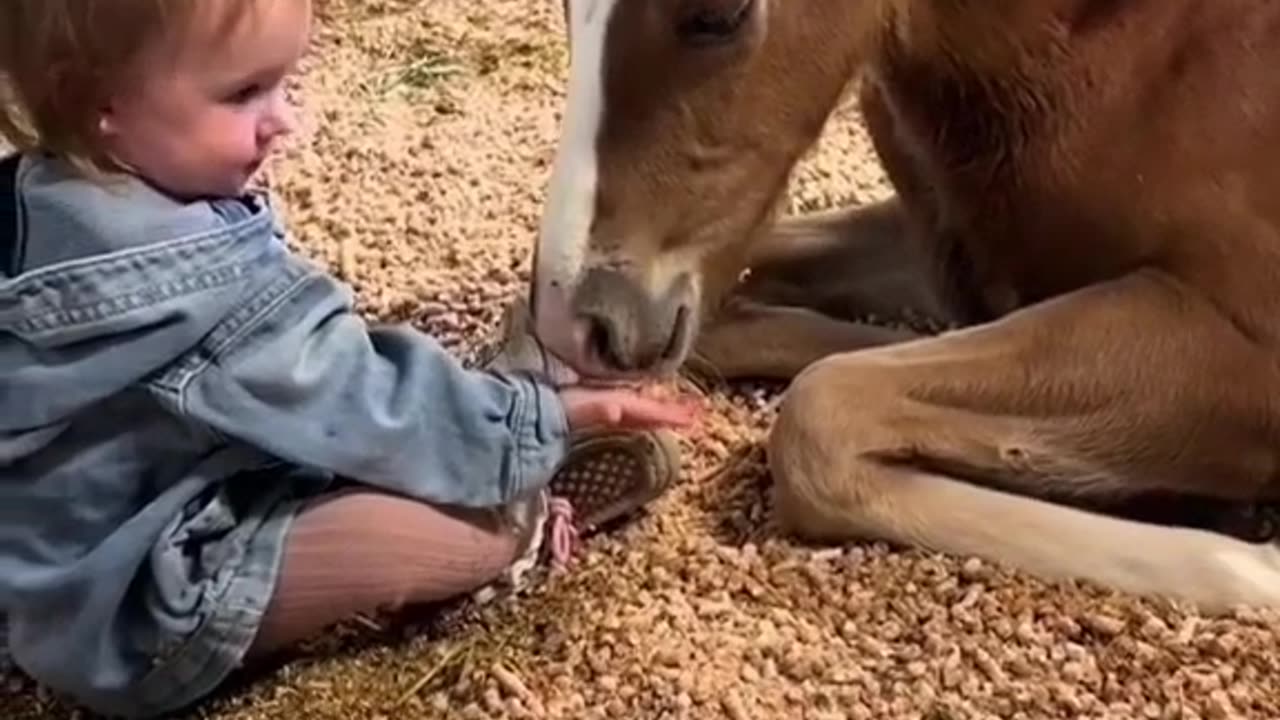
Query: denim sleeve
(307,380)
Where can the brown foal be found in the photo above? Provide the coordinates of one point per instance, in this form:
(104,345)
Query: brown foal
(1088,189)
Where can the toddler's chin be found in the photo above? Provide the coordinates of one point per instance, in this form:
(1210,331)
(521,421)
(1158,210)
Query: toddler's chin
(234,186)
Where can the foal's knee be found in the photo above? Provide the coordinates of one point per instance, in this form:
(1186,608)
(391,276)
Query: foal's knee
(832,413)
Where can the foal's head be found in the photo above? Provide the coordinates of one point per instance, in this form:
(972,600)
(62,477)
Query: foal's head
(684,119)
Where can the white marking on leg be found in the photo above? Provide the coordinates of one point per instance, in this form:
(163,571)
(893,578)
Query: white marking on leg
(570,206)
(1252,571)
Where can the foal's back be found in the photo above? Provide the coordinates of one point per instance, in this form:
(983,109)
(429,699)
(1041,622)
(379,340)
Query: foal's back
(1064,142)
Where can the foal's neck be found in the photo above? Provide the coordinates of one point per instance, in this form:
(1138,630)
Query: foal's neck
(983,35)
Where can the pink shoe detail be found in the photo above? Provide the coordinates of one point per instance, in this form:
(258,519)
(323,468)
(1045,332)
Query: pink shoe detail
(564,535)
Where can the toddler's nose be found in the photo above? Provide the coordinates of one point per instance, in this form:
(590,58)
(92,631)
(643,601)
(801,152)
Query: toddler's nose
(281,118)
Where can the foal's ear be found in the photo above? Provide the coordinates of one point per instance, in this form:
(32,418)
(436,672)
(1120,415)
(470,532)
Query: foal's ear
(707,22)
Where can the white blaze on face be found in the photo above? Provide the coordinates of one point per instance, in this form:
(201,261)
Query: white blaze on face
(571,200)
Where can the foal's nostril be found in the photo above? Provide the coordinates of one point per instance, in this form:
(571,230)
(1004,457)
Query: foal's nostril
(679,333)
(608,343)
(602,339)
(622,327)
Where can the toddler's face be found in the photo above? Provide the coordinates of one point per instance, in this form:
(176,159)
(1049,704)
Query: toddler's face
(203,117)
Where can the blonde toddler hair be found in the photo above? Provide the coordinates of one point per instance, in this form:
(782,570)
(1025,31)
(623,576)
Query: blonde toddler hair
(60,61)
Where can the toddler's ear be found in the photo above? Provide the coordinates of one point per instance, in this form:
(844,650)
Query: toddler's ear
(107,121)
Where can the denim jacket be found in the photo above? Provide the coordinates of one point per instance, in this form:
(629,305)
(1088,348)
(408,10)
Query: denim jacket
(151,353)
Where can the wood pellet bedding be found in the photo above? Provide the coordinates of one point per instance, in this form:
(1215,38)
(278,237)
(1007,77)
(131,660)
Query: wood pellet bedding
(429,129)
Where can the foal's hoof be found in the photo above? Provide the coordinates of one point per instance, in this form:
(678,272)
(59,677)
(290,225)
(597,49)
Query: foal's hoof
(1254,523)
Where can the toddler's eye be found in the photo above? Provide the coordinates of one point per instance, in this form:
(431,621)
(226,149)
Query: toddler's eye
(244,94)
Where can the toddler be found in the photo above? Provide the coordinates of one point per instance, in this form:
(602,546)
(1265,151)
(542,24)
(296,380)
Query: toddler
(205,454)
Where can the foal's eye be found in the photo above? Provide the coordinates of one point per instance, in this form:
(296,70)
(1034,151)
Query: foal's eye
(708,22)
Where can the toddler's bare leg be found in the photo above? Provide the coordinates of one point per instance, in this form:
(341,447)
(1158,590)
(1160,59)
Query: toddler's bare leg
(359,551)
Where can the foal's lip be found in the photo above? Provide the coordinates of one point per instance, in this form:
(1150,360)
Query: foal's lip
(594,372)
(613,383)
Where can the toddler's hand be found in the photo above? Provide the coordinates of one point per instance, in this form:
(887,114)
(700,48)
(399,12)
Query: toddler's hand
(622,408)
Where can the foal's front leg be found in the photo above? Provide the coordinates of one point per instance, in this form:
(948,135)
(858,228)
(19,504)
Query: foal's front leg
(754,340)
(822,284)
(977,442)
(850,263)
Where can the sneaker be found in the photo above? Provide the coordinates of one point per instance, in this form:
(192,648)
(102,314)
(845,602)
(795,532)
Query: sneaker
(608,476)
(605,476)
(514,348)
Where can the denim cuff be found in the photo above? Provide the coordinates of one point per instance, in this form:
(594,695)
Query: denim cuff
(541,430)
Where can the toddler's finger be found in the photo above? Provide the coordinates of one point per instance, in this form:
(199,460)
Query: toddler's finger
(640,410)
